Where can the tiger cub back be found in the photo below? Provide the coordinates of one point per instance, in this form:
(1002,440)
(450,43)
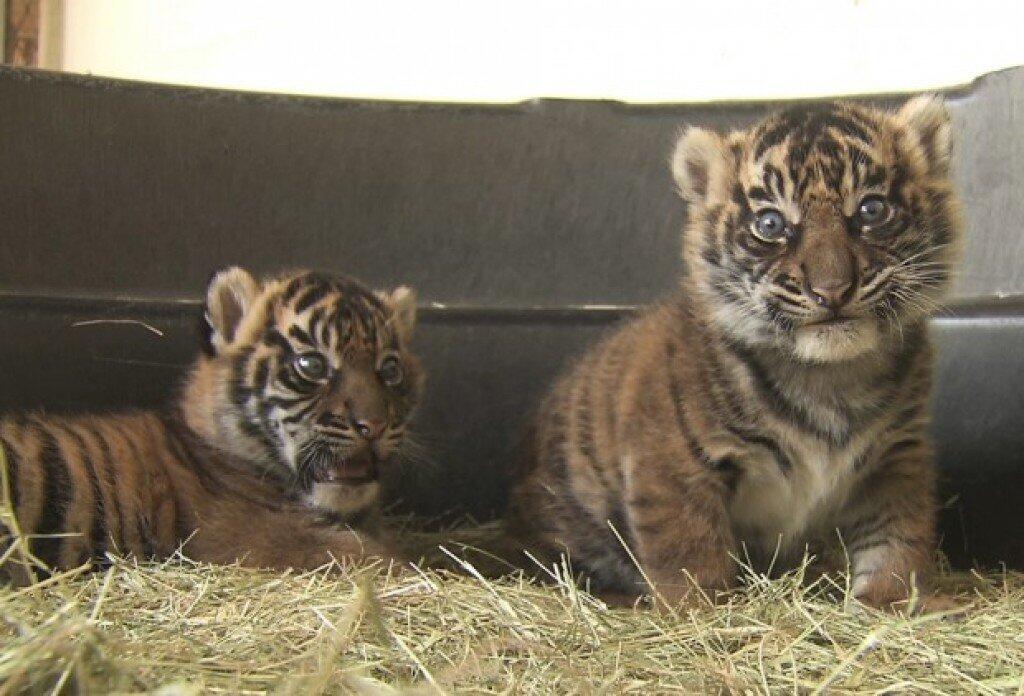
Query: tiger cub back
(272,450)
(781,394)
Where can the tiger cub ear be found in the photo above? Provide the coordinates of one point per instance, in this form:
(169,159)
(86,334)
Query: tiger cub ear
(229,296)
(401,302)
(699,163)
(927,118)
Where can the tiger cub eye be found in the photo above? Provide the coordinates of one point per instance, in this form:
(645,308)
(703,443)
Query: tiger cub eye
(770,226)
(391,373)
(311,366)
(873,211)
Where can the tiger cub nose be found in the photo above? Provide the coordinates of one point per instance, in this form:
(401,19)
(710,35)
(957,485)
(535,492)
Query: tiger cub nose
(369,429)
(831,295)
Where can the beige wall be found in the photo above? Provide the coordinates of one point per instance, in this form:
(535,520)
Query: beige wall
(641,50)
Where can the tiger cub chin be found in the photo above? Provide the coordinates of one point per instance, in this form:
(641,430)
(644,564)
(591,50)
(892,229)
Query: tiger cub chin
(781,395)
(270,453)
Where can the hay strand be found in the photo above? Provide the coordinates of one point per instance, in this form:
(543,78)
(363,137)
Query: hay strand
(180,627)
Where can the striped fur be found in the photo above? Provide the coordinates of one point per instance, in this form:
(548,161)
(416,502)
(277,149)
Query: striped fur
(782,393)
(260,459)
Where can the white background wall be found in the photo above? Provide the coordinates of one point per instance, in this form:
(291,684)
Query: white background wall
(481,50)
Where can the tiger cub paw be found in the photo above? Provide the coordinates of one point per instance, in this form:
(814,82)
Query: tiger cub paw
(896,599)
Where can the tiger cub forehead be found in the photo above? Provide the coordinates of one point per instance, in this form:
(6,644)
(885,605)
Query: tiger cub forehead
(332,312)
(830,153)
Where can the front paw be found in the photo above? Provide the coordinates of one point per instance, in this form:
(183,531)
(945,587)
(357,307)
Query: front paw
(898,597)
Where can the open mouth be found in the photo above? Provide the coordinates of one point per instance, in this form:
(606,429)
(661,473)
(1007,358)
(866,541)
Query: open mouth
(357,469)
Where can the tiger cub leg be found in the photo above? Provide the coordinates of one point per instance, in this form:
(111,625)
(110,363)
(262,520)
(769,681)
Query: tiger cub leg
(890,532)
(276,539)
(683,536)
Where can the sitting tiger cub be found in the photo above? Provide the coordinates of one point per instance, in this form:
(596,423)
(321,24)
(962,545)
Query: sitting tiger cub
(273,447)
(782,393)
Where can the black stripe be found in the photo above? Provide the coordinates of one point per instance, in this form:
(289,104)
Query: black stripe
(240,392)
(770,393)
(848,126)
(341,319)
(286,402)
(301,413)
(98,529)
(317,326)
(676,393)
(761,268)
(184,526)
(868,544)
(591,539)
(778,317)
(773,180)
(900,446)
(136,462)
(875,177)
(737,412)
(869,525)
(274,338)
(312,295)
(13,473)
(196,457)
(110,475)
(240,395)
(913,343)
(180,441)
(730,470)
(585,425)
(295,382)
(261,373)
(905,416)
(784,463)
(742,202)
(775,132)
(300,335)
(58,491)
(146,535)
(554,448)
(294,286)
(620,521)
(787,301)
(759,193)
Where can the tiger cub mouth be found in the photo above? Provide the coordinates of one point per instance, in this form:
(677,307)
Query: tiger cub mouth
(352,470)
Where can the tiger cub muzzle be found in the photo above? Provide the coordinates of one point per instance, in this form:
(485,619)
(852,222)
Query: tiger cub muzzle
(353,437)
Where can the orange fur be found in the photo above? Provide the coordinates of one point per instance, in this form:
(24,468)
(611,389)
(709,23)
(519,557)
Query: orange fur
(781,394)
(257,461)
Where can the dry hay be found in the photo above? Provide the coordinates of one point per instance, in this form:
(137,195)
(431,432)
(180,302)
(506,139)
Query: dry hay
(182,627)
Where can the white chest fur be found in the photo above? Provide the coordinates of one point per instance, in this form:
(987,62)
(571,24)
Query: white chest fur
(775,508)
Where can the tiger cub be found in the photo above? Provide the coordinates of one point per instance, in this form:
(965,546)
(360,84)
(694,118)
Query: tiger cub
(271,450)
(781,395)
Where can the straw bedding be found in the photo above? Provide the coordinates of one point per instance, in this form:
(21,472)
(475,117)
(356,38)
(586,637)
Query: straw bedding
(180,627)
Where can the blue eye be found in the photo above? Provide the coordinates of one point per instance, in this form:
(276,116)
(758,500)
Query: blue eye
(391,372)
(770,226)
(311,366)
(873,211)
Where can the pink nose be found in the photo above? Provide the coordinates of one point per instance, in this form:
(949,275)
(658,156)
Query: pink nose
(831,295)
(370,429)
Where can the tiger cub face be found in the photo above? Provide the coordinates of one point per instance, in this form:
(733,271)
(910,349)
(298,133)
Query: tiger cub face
(821,231)
(310,377)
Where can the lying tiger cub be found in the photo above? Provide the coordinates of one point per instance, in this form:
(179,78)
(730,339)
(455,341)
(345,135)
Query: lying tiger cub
(782,393)
(268,456)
